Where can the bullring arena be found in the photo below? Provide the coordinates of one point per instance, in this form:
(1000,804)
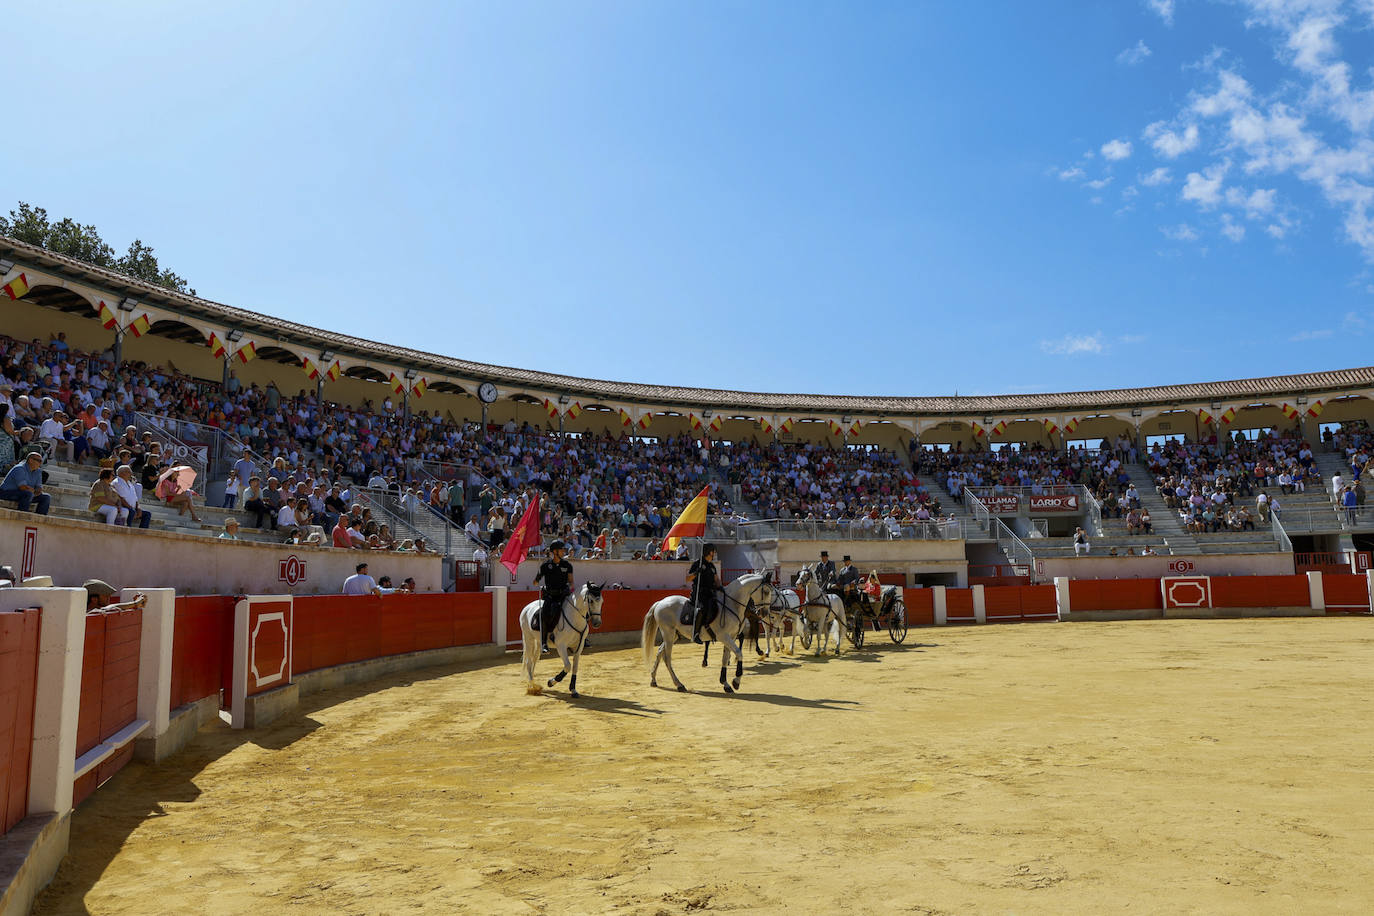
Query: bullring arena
(1168,717)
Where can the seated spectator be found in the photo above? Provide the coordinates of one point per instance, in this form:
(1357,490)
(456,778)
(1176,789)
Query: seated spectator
(1147,551)
(130,493)
(253,502)
(1133,522)
(421,547)
(339,535)
(231,529)
(24,485)
(170,491)
(1145,524)
(104,502)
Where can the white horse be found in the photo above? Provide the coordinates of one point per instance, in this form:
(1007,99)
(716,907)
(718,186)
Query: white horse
(665,619)
(579,610)
(786,606)
(823,614)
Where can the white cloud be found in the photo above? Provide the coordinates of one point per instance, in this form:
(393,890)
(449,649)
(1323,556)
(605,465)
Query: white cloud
(1134,55)
(1232,229)
(1070,174)
(1116,150)
(1205,188)
(1354,322)
(1098,184)
(1171,144)
(1156,178)
(1317,334)
(1180,233)
(1276,231)
(1129,192)
(1071,344)
(1164,9)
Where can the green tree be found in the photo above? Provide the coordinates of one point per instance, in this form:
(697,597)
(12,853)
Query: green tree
(31,224)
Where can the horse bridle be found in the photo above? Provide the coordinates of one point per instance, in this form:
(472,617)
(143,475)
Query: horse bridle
(593,618)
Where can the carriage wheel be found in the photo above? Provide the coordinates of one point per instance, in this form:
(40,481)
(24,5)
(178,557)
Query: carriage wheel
(856,631)
(896,624)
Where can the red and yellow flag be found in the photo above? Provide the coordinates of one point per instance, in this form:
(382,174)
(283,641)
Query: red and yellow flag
(854,427)
(716,423)
(420,387)
(140,325)
(645,420)
(1203,416)
(573,410)
(1228,415)
(217,347)
(334,371)
(786,425)
(999,427)
(835,427)
(107,317)
(311,370)
(767,425)
(16,288)
(551,408)
(625,418)
(691,523)
(1289,411)
(1050,427)
(977,430)
(693,420)
(1071,425)
(247,352)
(1316,409)
(396,384)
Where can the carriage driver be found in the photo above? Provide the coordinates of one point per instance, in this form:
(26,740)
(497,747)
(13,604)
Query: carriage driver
(556,573)
(825,571)
(848,581)
(702,579)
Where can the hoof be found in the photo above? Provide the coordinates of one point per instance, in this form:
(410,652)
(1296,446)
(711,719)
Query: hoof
(574,694)
(534,690)
(653,683)
(727,688)
(551,682)
(681,689)
(735,682)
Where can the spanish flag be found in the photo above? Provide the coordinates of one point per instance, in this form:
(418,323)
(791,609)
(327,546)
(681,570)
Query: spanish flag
(1289,411)
(311,370)
(855,427)
(1228,415)
(247,352)
(140,325)
(693,420)
(691,523)
(107,317)
(645,420)
(768,427)
(551,408)
(217,347)
(835,427)
(716,423)
(334,371)
(786,425)
(16,288)
(420,387)
(625,418)
(396,384)
(1316,409)
(573,410)
(1203,415)
(1050,427)
(1071,425)
(977,430)
(999,428)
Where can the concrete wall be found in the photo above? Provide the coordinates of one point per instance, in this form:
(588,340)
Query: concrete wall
(630,573)
(908,556)
(73,551)
(1231,564)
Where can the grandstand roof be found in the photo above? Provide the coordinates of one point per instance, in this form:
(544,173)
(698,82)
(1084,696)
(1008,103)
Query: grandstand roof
(1279,386)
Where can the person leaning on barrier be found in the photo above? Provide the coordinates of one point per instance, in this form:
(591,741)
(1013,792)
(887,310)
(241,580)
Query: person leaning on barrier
(557,575)
(360,583)
(100,597)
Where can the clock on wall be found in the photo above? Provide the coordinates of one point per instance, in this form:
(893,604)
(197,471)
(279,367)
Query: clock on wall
(486,393)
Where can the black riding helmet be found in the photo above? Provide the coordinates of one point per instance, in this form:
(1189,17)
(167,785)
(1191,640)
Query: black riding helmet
(707,549)
(557,545)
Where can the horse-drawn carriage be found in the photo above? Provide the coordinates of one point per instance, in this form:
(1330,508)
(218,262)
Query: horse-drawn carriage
(887,611)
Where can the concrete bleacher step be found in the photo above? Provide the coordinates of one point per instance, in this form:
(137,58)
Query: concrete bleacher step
(1164,520)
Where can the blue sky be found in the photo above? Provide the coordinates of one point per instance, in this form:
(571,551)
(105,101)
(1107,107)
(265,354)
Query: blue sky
(878,198)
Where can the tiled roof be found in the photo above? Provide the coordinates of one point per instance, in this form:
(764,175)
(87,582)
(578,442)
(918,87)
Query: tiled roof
(1281,386)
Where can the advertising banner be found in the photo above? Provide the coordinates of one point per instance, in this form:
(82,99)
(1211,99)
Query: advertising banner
(1002,503)
(1054,502)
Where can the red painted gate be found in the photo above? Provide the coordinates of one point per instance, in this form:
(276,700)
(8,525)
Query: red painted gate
(109,691)
(18,674)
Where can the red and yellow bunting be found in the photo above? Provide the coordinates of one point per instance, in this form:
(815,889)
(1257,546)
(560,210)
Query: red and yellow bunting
(1316,409)
(397,386)
(312,371)
(1050,427)
(140,325)
(1071,425)
(1228,415)
(1204,417)
(978,431)
(217,347)
(645,420)
(1289,411)
(16,288)
(420,387)
(551,408)
(247,352)
(334,371)
(999,427)
(573,410)
(625,419)
(786,425)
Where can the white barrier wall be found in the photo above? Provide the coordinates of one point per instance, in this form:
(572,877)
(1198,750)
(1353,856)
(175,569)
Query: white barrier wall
(73,551)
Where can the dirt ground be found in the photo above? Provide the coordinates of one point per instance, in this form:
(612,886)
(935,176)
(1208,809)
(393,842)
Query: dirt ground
(1181,766)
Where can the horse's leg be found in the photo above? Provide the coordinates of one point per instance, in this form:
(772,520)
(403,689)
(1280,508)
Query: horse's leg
(572,681)
(730,648)
(531,655)
(563,654)
(705,652)
(666,653)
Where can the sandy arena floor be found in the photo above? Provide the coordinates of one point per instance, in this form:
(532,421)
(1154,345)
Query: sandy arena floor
(1207,767)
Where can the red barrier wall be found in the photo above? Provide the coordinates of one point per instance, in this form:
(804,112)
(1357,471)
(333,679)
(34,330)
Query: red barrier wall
(1114,594)
(18,675)
(334,630)
(622,610)
(1013,603)
(1260,591)
(920,606)
(202,648)
(959,605)
(1346,594)
(109,691)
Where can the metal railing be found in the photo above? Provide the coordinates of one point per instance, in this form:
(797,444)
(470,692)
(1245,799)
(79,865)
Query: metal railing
(416,522)
(165,432)
(1280,536)
(981,516)
(736,530)
(1011,545)
(1094,510)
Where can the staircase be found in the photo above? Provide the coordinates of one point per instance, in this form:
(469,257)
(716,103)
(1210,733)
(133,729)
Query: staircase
(1164,520)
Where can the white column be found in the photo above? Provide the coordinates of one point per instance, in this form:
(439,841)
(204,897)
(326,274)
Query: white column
(1315,596)
(57,697)
(1061,596)
(498,613)
(155,655)
(238,698)
(980,609)
(1369,587)
(941,614)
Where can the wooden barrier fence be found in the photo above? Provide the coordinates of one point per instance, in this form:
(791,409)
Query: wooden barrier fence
(18,677)
(109,691)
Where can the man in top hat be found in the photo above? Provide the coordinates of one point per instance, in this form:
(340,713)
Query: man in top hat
(825,570)
(556,573)
(848,581)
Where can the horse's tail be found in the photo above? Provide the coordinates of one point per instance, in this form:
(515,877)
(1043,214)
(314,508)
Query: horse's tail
(646,637)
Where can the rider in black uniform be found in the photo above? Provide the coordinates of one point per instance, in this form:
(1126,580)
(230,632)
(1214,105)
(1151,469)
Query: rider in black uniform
(556,574)
(825,571)
(701,576)
(848,582)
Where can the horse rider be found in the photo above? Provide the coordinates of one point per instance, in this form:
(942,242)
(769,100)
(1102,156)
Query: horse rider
(703,580)
(824,573)
(848,581)
(556,573)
